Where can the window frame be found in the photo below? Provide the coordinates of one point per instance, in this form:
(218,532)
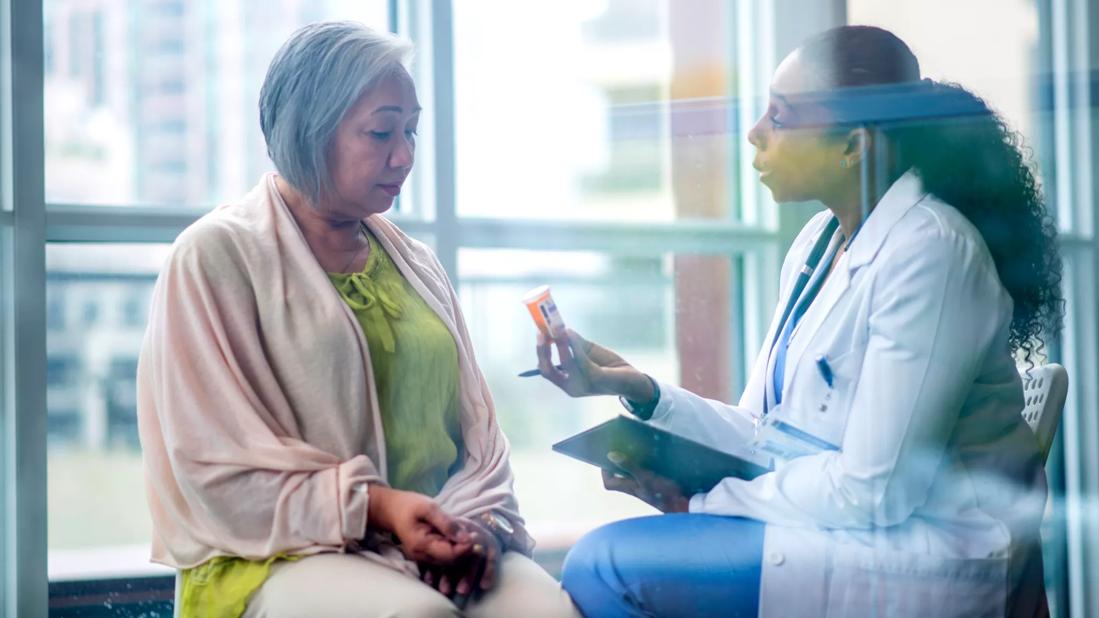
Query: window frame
(24,428)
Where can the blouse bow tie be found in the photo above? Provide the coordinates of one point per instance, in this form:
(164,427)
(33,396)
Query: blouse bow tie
(374,301)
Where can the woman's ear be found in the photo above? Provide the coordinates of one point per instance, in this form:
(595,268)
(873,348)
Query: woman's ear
(856,147)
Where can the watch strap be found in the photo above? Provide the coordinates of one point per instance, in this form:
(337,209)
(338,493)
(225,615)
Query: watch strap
(643,411)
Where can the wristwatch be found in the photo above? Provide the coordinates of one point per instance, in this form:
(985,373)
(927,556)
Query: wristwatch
(643,411)
(499,526)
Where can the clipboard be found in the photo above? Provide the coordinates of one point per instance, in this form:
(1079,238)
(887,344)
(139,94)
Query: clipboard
(697,468)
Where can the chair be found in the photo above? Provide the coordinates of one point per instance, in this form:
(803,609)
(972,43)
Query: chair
(1045,389)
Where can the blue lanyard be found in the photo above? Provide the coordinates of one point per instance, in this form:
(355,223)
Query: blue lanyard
(811,264)
(794,310)
(779,374)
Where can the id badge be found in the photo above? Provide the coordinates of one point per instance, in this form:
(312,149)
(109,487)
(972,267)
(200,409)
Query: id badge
(783,441)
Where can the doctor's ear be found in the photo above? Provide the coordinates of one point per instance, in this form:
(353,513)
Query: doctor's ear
(857,146)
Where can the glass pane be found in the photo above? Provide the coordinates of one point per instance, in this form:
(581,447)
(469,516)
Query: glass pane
(954,42)
(593,110)
(156,101)
(648,309)
(97,300)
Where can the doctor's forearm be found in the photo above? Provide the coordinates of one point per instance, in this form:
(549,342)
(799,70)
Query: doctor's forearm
(630,383)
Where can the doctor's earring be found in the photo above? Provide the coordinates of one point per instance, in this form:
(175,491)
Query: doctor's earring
(843,163)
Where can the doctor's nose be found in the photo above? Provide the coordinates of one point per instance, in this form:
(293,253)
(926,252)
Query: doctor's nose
(756,135)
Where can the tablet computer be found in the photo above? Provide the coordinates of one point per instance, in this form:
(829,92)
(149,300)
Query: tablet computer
(697,468)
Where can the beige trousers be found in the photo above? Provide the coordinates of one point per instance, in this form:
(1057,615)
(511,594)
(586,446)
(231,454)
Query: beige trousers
(346,585)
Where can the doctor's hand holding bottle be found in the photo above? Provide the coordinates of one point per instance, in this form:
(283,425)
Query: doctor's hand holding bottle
(588,368)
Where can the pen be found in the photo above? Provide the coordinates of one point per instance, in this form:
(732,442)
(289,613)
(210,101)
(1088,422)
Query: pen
(825,370)
(530,373)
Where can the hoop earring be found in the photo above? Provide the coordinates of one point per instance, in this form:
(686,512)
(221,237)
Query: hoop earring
(843,163)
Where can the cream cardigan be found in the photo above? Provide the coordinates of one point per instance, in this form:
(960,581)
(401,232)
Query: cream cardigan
(257,408)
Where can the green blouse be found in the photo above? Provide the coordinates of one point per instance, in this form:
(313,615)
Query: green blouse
(415,364)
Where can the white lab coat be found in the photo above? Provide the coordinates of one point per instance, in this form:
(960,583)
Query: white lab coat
(933,501)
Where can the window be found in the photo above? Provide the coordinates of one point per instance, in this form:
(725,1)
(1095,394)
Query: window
(638,304)
(157,105)
(1008,60)
(581,111)
(999,63)
(149,107)
(594,146)
(95,474)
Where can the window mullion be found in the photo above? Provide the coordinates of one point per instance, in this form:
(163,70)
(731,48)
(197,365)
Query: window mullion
(445,186)
(26,592)
(632,239)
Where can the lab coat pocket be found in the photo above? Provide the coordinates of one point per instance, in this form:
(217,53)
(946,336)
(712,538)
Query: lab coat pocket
(821,395)
(866,582)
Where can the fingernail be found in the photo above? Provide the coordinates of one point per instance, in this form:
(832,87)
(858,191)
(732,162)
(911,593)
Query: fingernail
(478,549)
(616,458)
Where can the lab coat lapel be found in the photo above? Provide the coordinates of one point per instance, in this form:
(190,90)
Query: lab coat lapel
(905,193)
(816,319)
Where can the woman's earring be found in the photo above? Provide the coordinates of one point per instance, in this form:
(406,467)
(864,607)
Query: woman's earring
(843,163)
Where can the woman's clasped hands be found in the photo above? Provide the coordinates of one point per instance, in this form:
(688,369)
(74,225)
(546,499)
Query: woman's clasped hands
(457,556)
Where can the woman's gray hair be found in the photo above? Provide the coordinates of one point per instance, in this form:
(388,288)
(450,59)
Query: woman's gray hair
(314,78)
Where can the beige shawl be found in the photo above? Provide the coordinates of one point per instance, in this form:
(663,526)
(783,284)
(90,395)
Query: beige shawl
(257,408)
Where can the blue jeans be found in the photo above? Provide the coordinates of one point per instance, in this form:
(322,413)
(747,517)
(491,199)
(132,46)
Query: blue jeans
(667,565)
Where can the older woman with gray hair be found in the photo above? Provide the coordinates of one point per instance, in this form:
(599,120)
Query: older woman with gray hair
(318,437)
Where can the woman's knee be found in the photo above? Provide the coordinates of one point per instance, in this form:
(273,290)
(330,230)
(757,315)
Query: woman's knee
(286,603)
(523,589)
(341,585)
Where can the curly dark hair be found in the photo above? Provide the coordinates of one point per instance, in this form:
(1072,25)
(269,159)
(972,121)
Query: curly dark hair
(978,165)
(975,163)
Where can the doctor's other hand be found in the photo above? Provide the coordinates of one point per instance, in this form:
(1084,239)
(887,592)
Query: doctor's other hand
(588,368)
(660,492)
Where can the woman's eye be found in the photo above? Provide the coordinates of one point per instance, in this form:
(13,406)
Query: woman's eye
(411,133)
(381,135)
(774,121)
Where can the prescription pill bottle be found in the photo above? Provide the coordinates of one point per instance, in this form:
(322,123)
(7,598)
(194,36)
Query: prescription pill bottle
(542,308)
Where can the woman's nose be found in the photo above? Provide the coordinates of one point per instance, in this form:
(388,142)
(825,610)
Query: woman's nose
(403,154)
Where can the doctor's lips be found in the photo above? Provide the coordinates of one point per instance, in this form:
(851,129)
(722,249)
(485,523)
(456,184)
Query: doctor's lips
(763,171)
